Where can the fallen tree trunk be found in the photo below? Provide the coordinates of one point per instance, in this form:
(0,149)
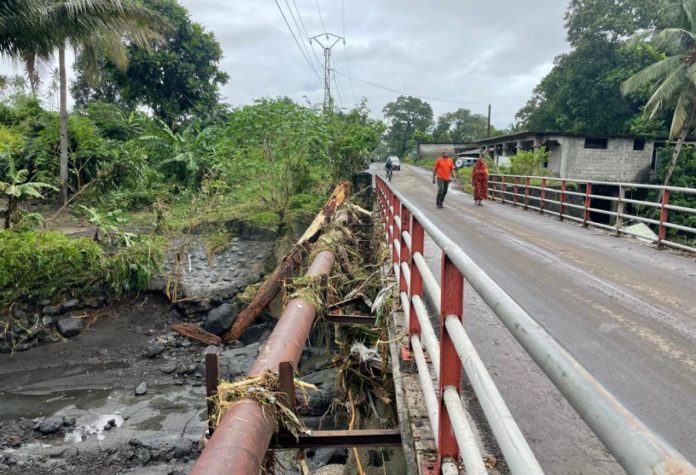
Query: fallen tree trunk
(196,333)
(272,287)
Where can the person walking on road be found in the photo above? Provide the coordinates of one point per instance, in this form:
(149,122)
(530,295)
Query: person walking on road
(479,178)
(443,172)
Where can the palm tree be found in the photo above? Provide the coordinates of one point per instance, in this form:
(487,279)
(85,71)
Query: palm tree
(674,76)
(16,189)
(32,30)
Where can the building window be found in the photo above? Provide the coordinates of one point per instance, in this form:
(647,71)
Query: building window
(639,144)
(597,143)
(656,150)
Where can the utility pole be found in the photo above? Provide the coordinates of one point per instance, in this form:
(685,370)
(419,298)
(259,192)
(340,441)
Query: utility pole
(327,44)
(489,121)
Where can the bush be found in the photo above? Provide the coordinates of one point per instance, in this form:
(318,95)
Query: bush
(132,267)
(57,264)
(60,264)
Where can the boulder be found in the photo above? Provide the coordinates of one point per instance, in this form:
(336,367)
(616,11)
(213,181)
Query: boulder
(319,401)
(141,389)
(221,319)
(69,327)
(51,425)
(238,361)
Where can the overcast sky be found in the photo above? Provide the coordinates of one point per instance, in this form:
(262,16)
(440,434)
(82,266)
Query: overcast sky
(461,50)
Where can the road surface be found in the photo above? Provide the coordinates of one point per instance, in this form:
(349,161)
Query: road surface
(625,310)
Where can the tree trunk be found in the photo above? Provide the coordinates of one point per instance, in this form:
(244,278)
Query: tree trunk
(63,197)
(272,287)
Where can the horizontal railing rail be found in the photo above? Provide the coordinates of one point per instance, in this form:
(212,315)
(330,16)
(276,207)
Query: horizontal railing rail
(500,186)
(639,450)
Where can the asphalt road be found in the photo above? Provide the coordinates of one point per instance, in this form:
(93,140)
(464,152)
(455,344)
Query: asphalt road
(625,310)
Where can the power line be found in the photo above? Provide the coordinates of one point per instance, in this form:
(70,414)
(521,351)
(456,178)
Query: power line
(298,27)
(414,95)
(338,88)
(345,49)
(304,28)
(295,38)
(321,17)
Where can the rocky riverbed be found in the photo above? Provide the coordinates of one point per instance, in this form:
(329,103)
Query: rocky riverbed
(123,393)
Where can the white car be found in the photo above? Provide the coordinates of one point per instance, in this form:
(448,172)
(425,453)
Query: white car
(396,163)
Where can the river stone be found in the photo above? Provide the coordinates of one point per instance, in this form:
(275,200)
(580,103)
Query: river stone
(68,305)
(50,310)
(69,327)
(51,425)
(182,448)
(141,389)
(154,350)
(18,314)
(169,368)
(221,319)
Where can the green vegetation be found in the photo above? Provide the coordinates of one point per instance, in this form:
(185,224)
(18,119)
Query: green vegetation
(16,189)
(32,269)
(148,149)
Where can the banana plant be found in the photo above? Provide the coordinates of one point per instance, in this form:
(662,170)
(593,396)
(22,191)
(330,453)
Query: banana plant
(17,189)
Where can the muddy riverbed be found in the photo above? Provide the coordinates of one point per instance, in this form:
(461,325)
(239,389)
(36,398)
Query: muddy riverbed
(72,407)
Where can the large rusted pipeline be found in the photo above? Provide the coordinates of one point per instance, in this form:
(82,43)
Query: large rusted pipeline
(241,440)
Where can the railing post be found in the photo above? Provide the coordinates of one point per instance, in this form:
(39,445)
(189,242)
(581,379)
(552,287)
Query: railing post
(514,196)
(663,218)
(620,209)
(492,190)
(416,288)
(526,193)
(588,204)
(395,231)
(404,255)
(503,194)
(542,203)
(452,303)
(562,201)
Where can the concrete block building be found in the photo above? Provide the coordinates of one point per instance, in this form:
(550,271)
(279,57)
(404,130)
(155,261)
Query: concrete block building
(575,156)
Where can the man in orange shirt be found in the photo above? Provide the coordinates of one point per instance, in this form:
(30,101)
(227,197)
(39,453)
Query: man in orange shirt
(444,169)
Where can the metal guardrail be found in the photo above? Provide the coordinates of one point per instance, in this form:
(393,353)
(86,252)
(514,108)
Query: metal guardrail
(500,186)
(639,450)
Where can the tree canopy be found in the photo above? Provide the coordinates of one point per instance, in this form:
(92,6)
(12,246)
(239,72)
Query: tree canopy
(405,116)
(176,81)
(582,92)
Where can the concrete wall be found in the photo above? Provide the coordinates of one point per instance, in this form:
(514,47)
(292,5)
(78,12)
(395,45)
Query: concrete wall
(618,162)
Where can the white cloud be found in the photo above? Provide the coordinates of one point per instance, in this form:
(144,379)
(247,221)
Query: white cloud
(464,50)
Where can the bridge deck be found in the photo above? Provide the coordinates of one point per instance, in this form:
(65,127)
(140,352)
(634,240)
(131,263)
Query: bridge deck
(625,310)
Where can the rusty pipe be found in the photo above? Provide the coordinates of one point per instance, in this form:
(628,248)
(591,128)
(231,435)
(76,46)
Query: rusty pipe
(240,442)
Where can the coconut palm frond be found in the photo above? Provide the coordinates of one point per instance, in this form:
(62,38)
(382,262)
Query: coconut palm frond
(638,38)
(654,72)
(677,13)
(682,110)
(673,41)
(668,91)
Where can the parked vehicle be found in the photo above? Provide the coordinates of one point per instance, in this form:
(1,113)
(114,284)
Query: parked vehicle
(396,163)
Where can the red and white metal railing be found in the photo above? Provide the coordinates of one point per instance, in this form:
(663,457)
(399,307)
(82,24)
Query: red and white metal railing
(500,186)
(639,450)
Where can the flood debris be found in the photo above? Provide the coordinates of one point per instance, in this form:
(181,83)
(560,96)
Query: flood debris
(272,287)
(197,333)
